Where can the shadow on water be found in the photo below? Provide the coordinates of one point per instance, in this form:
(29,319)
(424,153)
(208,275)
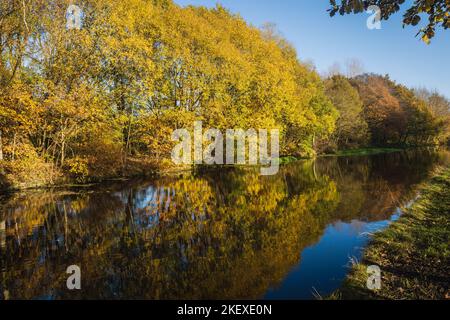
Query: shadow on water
(217,234)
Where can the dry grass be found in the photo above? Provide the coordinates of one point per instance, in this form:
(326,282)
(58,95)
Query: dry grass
(413,253)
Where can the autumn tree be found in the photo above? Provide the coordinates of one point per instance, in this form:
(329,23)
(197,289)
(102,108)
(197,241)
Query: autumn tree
(439,106)
(382,110)
(103,99)
(351,127)
(394,114)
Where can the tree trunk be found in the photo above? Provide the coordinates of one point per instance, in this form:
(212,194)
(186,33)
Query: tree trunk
(314,142)
(63,153)
(1,146)
(63,143)
(127,146)
(14,147)
(43,145)
(3,234)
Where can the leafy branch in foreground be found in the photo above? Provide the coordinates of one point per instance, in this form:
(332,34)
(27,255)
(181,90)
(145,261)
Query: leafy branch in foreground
(437,11)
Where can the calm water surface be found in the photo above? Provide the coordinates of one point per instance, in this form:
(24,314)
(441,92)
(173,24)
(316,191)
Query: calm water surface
(229,234)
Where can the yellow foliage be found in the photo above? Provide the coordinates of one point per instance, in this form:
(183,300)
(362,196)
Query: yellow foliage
(136,71)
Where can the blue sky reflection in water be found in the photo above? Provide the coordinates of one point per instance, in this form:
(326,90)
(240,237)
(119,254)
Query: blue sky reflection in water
(324,265)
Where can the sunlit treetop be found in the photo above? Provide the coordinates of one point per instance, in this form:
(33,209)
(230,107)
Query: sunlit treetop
(436,11)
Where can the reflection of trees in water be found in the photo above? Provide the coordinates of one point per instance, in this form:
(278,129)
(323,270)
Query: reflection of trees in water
(229,234)
(371,188)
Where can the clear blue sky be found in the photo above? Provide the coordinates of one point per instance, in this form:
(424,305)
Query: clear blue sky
(325,40)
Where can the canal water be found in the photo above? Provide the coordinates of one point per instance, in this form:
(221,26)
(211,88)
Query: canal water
(213,234)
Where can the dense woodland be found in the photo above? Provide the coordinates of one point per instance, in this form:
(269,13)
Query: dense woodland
(102,102)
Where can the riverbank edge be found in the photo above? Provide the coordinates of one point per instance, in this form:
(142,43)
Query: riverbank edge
(370,151)
(413,253)
(64,185)
(179,170)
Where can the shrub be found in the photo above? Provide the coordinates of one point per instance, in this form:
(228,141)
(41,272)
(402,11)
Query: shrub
(78,169)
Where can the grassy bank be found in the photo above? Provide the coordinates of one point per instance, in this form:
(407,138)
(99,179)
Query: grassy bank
(364,152)
(413,253)
(346,153)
